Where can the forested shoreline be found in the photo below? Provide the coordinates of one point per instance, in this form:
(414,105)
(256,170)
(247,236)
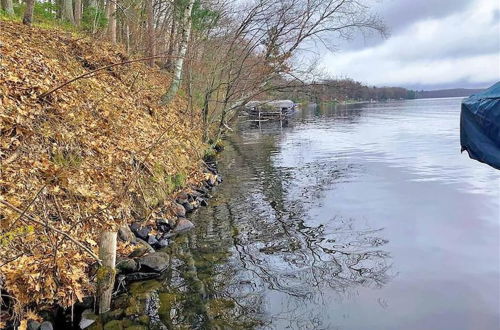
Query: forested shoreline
(111,111)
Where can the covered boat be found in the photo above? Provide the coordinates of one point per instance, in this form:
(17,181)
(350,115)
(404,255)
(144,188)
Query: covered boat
(480,126)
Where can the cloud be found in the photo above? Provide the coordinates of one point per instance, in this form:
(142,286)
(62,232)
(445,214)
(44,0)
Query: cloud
(444,50)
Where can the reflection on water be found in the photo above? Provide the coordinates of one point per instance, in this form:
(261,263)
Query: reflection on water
(347,218)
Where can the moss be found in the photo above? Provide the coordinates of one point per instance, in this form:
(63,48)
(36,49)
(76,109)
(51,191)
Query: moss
(134,307)
(112,315)
(139,288)
(114,325)
(144,319)
(96,326)
(136,327)
(105,274)
(209,155)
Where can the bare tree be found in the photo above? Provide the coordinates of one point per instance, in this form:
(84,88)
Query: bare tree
(179,61)
(262,39)
(150,31)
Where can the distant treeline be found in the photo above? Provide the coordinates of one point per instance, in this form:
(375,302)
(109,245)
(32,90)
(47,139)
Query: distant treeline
(456,92)
(341,90)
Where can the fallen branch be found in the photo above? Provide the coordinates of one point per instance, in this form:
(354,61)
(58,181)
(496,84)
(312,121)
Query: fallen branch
(90,73)
(29,217)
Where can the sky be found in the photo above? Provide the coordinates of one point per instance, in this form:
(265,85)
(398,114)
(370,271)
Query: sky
(433,44)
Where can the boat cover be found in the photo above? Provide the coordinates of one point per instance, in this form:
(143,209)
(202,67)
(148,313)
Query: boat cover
(480,126)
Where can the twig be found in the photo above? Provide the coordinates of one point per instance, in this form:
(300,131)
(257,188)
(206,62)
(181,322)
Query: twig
(29,217)
(28,206)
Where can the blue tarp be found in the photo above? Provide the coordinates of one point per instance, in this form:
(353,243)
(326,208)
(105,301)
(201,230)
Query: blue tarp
(480,126)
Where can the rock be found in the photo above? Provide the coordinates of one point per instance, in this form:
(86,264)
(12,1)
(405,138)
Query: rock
(157,261)
(164,225)
(202,201)
(140,276)
(183,224)
(179,210)
(188,207)
(126,265)
(126,235)
(142,249)
(182,198)
(143,233)
(194,193)
(152,240)
(135,226)
(162,243)
(140,231)
(46,325)
(203,191)
(33,325)
(212,180)
(219,179)
(88,318)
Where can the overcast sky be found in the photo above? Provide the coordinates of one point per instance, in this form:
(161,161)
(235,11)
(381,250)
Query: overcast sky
(432,44)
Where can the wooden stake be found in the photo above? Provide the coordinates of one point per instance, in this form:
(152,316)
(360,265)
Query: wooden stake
(106,273)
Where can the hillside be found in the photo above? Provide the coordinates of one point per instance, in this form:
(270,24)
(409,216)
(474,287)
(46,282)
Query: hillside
(95,154)
(455,92)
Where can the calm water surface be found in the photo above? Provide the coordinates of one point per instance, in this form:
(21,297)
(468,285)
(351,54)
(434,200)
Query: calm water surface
(351,218)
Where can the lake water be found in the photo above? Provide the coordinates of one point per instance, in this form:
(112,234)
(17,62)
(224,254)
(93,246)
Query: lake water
(364,217)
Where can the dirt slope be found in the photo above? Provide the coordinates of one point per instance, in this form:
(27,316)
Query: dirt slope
(98,152)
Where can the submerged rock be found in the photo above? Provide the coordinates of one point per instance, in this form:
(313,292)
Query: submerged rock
(46,325)
(114,325)
(140,276)
(88,318)
(33,325)
(157,261)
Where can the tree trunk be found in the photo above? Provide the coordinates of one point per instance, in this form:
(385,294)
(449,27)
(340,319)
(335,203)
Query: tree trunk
(67,13)
(28,13)
(127,38)
(111,14)
(171,45)
(151,31)
(186,32)
(8,6)
(78,12)
(106,273)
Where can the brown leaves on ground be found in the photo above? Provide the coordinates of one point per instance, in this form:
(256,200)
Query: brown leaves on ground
(82,159)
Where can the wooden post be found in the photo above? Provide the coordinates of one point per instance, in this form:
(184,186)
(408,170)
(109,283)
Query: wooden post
(106,273)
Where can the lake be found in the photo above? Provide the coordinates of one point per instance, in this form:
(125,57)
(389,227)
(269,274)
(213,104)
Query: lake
(349,217)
